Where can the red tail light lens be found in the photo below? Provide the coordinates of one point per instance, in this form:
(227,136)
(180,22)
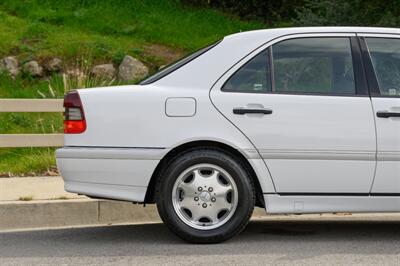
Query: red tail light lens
(74,117)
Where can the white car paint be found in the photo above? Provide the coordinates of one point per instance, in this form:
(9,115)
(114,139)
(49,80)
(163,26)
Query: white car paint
(311,144)
(387,176)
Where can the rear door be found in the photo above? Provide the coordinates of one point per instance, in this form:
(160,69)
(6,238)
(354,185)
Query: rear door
(303,103)
(384,69)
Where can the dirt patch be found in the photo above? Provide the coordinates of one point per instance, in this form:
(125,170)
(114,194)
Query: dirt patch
(52,171)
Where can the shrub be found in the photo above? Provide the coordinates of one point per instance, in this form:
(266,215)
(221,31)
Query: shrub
(280,13)
(270,12)
(348,13)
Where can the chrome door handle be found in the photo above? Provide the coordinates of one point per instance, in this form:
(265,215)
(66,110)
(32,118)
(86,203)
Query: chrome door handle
(387,114)
(246,110)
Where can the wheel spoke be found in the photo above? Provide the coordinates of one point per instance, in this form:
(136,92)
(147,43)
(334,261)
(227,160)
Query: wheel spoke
(211,214)
(222,204)
(198,177)
(221,190)
(214,177)
(188,188)
(188,203)
(218,188)
(198,180)
(197,213)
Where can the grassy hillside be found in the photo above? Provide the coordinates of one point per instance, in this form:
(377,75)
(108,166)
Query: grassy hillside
(86,32)
(43,28)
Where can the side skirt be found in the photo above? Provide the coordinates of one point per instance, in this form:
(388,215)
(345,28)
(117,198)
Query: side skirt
(275,203)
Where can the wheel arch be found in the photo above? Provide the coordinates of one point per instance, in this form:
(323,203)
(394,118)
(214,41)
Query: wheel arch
(164,162)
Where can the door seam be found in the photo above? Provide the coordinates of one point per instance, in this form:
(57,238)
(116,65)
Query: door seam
(376,144)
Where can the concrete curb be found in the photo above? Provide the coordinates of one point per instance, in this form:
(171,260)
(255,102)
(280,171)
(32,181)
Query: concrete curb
(21,215)
(77,212)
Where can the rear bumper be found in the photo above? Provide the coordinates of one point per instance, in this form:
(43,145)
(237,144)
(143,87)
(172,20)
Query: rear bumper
(115,173)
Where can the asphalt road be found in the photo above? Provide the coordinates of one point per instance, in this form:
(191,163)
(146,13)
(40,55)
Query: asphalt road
(263,242)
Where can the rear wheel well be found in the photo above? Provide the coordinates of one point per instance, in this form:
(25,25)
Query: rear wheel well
(171,155)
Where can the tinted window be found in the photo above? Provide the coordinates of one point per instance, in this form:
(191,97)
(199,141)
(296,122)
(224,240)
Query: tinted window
(313,65)
(176,65)
(254,76)
(385,54)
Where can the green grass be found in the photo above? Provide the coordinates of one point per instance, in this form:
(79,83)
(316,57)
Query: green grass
(29,161)
(25,123)
(83,33)
(23,87)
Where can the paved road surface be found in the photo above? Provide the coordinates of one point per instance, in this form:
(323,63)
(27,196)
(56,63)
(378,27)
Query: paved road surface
(264,242)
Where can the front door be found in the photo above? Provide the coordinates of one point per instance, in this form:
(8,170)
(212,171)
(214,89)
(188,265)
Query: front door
(385,55)
(308,114)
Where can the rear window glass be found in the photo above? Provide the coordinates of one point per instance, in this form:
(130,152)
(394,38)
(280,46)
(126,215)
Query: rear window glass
(176,65)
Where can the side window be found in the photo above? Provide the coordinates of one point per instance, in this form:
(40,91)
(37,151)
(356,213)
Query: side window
(254,76)
(313,66)
(385,55)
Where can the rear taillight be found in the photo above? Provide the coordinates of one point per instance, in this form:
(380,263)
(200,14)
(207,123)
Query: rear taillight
(74,117)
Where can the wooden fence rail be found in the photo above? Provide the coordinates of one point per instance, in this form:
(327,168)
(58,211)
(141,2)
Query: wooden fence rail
(31,140)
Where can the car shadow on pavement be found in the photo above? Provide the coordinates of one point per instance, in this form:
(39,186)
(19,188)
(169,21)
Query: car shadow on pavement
(288,239)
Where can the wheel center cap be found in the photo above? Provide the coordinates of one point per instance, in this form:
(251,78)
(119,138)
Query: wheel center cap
(205,196)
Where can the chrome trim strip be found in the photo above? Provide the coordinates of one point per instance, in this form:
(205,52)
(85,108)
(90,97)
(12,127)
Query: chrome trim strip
(318,155)
(251,154)
(389,156)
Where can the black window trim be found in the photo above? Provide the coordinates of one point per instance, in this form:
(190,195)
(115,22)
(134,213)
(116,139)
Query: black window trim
(372,78)
(271,69)
(360,79)
(361,87)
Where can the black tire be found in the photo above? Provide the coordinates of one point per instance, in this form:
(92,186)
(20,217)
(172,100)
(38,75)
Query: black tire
(224,160)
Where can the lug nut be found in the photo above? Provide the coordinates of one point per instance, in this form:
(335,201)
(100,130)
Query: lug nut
(213,199)
(200,189)
(196,198)
(204,205)
(210,189)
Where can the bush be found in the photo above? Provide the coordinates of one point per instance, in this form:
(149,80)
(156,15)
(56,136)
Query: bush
(272,13)
(348,13)
(280,13)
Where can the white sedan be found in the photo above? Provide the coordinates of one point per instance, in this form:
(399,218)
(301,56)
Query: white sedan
(295,120)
